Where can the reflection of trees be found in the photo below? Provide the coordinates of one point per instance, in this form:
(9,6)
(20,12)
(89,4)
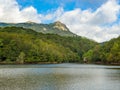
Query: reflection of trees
(57,80)
(21,81)
(37,79)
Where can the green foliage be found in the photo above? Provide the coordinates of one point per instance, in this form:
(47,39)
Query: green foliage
(43,28)
(21,58)
(1,43)
(19,45)
(89,55)
(108,52)
(114,55)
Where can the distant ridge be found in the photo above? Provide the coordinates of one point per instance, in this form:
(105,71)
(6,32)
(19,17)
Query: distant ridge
(53,28)
(30,22)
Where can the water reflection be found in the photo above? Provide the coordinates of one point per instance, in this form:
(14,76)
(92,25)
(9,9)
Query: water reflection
(59,77)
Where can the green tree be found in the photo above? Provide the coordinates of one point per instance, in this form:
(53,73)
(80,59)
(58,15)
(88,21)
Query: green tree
(21,58)
(89,56)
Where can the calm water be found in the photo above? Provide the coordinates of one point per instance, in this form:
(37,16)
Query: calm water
(59,77)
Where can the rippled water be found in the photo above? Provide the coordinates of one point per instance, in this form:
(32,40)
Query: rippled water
(59,77)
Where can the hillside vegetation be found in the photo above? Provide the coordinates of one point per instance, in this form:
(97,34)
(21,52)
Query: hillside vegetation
(20,45)
(107,53)
(52,28)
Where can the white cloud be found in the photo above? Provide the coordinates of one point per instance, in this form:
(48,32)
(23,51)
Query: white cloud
(30,14)
(10,12)
(52,16)
(100,25)
(97,25)
(107,13)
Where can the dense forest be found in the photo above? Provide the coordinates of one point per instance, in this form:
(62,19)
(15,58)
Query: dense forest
(107,52)
(19,45)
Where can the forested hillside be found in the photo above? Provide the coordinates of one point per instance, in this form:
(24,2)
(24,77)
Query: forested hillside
(107,53)
(53,28)
(19,45)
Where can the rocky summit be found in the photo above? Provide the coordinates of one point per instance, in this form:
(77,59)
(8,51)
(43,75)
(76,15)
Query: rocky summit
(52,28)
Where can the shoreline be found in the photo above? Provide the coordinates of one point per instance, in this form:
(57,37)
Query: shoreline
(42,63)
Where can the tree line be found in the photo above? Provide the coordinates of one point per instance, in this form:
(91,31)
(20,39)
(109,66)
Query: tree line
(105,53)
(20,45)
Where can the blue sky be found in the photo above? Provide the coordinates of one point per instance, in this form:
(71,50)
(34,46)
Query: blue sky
(95,19)
(45,6)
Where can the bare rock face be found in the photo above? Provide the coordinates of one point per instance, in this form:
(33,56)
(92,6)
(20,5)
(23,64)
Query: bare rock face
(30,22)
(60,26)
(52,28)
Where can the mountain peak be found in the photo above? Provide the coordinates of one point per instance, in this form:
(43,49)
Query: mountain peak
(58,22)
(30,22)
(53,28)
(60,26)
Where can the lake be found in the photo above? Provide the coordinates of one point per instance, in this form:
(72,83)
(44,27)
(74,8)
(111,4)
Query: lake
(59,77)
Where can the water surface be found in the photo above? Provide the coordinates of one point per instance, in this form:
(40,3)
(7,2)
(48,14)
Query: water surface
(59,77)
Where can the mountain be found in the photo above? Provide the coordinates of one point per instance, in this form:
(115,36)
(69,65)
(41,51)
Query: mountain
(54,28)
(111,51)
(105,53)
(34,46)
(21,45)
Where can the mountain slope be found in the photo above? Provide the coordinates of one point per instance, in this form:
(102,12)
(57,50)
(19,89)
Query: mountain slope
(107,53)
(54,28)
(20,45)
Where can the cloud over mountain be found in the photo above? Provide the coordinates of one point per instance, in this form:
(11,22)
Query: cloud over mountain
(96,25)
(101,24)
